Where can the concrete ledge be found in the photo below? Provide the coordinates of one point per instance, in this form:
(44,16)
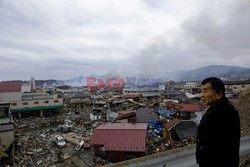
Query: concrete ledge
(180,157)
(168,155)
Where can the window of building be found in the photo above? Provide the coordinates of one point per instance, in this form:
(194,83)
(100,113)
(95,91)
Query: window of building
(2,113)
(36,102)
(56,101)
(46,102)
(243,86)
(13,104)
(25,103)
(235,87)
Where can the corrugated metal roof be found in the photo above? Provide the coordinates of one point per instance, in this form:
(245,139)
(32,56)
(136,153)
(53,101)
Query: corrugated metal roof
(121,137)
(192,107)
(171,123)
(6,127)
(129,126)
(9,86)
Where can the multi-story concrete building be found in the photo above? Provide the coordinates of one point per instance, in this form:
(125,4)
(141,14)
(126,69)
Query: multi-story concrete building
(189,85)
(36,102)
(143,91)
(237,86)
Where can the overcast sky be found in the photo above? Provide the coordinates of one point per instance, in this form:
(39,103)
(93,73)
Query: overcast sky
(61,39)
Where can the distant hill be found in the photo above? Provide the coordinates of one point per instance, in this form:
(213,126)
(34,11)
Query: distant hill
(227,72)
(49,82)
(222,71)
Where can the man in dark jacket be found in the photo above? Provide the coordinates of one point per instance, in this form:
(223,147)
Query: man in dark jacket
(218,136)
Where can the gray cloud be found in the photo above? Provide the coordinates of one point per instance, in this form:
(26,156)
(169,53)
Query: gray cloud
(64,39)
(215,36)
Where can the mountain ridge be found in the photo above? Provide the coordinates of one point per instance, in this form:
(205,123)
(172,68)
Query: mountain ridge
(222,71)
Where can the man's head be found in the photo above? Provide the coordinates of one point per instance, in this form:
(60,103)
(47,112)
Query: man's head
(213,90)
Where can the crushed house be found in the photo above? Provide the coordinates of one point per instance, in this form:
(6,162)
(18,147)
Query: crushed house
(111,116)
(177,129)
(77,99)
(165,113)
(120,141)
(192,112)
(126,117)
(145,115)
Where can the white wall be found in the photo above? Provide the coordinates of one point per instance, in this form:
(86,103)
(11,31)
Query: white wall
(198,117)
(94,117)
(10,96)
(25,87)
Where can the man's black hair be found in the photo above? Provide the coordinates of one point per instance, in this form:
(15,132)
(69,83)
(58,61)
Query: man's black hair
(216,83)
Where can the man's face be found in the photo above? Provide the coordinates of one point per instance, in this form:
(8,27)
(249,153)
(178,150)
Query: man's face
(209,96)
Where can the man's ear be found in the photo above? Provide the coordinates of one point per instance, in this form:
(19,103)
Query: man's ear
(219,95)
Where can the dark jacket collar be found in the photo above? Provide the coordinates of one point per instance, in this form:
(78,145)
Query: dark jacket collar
(219,103)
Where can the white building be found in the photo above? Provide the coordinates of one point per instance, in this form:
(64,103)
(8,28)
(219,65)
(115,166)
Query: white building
(25,87)
(36,104)
(189,85)
(69,90)
(145,92)
(21,102)
(41,104)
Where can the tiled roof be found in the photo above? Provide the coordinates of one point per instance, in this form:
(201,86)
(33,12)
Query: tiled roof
(6,127)
(10,86)
(113,126)
(121,137)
